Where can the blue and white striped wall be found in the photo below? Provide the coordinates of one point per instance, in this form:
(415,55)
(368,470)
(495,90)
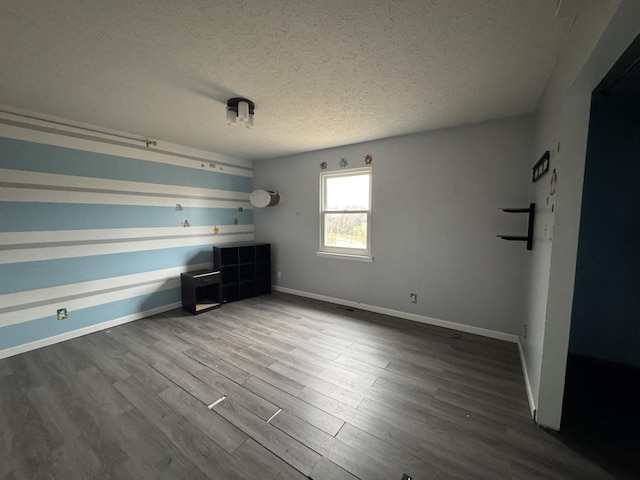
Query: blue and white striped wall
(91,225)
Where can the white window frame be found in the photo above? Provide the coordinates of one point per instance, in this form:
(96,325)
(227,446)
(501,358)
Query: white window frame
(344,252)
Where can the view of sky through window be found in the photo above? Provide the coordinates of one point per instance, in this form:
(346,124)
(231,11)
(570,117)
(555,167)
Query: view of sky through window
(347,193)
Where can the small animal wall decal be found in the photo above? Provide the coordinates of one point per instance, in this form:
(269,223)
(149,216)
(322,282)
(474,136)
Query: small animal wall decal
(323,166)
(186,224)
(343,162)
(368,158)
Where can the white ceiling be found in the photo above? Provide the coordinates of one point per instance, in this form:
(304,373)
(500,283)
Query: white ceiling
(321,73)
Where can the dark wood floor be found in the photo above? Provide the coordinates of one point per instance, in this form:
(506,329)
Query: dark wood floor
(309,390)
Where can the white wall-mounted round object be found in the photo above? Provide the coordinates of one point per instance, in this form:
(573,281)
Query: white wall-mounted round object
(264,198)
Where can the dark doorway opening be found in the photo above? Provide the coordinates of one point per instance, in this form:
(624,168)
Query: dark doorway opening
(602,388)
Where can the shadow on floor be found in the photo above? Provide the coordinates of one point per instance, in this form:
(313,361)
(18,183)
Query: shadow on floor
(601,414)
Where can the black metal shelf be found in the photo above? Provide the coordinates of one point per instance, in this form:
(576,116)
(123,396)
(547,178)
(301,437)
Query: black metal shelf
(529,236)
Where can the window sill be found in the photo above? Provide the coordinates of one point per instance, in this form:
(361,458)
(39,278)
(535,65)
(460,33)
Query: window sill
(346,256)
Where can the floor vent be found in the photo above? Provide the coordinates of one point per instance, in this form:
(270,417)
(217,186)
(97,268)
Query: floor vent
(344,307)
(210,407)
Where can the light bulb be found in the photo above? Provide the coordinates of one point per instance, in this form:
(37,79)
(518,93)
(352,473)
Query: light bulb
(231,117)
(243,111)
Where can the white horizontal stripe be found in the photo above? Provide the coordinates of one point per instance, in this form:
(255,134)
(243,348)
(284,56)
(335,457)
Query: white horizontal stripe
(53,236)
(10,194)
(20,316)
(73,181)
(151,154)
(27,347)
(53,253)
(51,294)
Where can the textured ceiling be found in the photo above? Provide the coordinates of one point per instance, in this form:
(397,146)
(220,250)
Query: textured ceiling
(321,73)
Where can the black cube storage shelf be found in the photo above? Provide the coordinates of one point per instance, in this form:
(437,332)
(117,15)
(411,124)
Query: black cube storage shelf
(200,291)
(245,269)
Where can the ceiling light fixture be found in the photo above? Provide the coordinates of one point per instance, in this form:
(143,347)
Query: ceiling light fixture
(240,111)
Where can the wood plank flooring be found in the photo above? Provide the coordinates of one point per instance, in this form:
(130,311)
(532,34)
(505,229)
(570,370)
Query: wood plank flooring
(310,390)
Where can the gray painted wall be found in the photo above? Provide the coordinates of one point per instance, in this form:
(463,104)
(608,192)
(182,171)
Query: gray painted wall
(434,223)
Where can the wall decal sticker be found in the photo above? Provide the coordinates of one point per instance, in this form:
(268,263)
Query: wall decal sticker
(216,230)
(323,166)
(186,224)
(368,158)
(343,162)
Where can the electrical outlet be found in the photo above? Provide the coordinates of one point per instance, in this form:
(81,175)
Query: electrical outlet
(414,298)
(62,314)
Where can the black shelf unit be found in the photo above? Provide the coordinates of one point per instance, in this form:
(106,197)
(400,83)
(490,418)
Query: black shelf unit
(531,211)
(200,291)
(245,269)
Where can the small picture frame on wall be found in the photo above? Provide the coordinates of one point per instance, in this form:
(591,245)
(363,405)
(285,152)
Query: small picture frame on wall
(541,167)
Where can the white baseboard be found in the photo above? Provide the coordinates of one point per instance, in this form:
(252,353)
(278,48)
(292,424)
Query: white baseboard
(527,384)
(507,337)
(45,342)
(429,321)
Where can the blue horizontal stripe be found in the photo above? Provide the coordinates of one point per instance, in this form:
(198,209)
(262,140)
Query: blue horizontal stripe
(37,157)
(18,334)
(18,277)
(35,217)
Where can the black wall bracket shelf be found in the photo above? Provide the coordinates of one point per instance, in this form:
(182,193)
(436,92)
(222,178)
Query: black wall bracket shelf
(522,238)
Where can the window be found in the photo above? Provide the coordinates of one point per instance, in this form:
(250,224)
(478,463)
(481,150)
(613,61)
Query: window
(345,213)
